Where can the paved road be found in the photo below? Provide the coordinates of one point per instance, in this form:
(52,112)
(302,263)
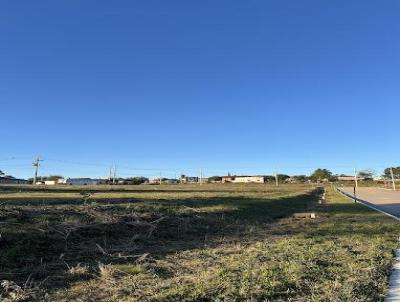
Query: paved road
(385,200)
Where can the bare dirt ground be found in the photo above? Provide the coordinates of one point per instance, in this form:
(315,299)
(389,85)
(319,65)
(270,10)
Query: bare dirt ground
(383,199)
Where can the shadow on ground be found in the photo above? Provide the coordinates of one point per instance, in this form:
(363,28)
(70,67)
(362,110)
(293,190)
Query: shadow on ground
(42,242)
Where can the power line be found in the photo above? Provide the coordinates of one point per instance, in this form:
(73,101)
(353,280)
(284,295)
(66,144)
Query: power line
(14,158)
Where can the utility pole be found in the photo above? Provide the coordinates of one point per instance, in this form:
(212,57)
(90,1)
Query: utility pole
(355,177)
(160,178)
(110,175)
(393,182)
(276,179)
(36,164)
(201,176)
(114,174)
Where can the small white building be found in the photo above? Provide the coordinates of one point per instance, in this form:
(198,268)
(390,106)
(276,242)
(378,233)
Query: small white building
(154,181)
(50,182)
(243,179)
(349,178)
(254,179)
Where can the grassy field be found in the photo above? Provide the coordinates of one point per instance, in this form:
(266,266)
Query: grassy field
(190,243)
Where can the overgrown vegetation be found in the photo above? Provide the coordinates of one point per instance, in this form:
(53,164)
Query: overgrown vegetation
(190,243)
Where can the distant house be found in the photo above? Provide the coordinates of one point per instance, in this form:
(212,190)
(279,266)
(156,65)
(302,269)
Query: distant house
(214,179)
(243,179)
(349,178)
(189,179)
(50,182)
(154,181)
(170,181)
(81,182)
(254,179)
(13,181)
(203,180)
(101,181)
(225,179)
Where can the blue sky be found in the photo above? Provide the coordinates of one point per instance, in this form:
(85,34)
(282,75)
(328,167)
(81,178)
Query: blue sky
(172,86)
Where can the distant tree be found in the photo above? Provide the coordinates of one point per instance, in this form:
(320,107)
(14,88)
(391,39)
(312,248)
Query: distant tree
(367,174)
(137,180)
(1,173)
(301,178)
(334,177)
(282,177)
(54,177)
(269,178)
(321,174)
(396,172)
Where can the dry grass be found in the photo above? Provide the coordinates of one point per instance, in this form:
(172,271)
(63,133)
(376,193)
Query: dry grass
(192,243)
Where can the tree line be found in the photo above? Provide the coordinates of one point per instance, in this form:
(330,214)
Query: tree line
(318,175)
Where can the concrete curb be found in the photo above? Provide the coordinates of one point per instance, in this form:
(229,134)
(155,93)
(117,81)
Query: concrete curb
(394,281)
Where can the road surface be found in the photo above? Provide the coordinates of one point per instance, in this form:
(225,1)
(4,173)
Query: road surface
(385,200)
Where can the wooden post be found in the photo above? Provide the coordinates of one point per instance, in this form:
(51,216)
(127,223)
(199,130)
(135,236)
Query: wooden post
(355,178)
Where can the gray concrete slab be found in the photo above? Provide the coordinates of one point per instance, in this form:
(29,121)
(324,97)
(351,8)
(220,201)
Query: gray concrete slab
(383,199)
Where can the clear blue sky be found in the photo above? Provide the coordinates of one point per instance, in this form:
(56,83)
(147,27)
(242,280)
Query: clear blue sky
(230,86)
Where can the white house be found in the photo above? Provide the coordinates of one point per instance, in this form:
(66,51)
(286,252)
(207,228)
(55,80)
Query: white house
(255,179)
(50,182)
(242,179)
(349,178)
